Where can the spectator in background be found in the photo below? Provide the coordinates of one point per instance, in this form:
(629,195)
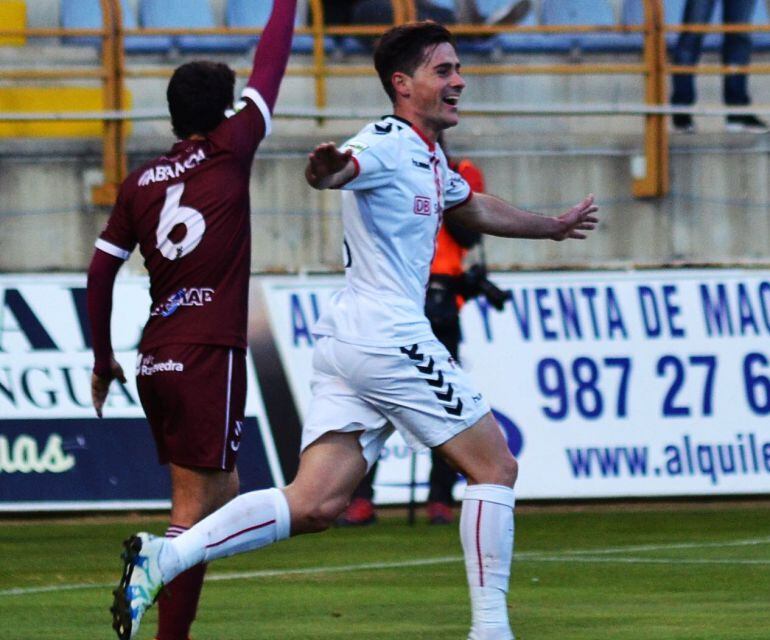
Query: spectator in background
(736,51)
(343,12)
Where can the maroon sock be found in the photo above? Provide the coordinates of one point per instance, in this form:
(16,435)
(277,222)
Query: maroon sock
(178,603)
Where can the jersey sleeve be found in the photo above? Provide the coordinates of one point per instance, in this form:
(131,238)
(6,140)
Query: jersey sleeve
(247,124)
(376,159)
(456,190)
(119,238)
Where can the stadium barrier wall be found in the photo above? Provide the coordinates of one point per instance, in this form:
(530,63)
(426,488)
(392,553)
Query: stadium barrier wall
(607,385)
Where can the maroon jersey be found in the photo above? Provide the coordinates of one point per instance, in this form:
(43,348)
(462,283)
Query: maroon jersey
(189,212)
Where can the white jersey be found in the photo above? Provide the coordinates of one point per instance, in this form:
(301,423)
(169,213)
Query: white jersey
(391,212)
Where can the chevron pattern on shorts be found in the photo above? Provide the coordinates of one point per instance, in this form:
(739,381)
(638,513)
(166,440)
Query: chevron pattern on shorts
(435,378)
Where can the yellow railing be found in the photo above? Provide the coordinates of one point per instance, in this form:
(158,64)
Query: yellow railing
(650,176)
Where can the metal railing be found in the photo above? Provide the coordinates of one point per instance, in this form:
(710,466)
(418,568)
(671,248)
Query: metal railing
(651,175)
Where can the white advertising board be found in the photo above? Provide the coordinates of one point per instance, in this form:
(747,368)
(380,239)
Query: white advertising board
(54,452)
(609,384)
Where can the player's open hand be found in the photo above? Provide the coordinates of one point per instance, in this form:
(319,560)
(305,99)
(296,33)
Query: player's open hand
(100,385)
(577,220)
(324,162)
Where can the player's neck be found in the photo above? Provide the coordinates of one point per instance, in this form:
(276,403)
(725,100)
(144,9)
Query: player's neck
(424,128)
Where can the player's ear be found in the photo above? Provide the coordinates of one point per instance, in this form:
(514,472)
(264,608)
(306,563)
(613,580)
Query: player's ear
(402,84)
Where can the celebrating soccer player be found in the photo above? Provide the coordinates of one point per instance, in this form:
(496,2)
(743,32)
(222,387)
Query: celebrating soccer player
(377,366)
(189,212)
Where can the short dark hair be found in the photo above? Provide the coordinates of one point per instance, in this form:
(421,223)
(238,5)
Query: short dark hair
(406,47)
(198,95)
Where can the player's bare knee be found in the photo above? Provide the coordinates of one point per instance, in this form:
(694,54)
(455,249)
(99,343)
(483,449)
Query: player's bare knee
(322,516)
(511,471)
(312,515)
(503,470)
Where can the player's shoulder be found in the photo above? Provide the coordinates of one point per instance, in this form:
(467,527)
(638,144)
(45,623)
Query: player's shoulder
(138,177)
(134,177)
(382,136)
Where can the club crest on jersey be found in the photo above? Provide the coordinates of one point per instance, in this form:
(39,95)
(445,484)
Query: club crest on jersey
(355,147)
(423,206)
(192,297)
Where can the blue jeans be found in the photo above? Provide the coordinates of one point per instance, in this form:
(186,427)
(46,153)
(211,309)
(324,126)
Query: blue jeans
(736,49)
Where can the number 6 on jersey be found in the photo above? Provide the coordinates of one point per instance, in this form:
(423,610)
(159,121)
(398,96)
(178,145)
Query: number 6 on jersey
(171,216)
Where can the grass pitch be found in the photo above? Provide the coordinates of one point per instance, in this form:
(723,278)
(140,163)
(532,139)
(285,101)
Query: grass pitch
(600,573)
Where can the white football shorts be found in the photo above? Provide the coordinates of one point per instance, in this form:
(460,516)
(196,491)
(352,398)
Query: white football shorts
(417,389)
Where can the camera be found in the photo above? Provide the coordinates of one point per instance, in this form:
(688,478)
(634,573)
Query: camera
(474,282)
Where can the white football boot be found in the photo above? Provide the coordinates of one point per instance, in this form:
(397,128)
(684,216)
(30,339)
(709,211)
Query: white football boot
(140,585)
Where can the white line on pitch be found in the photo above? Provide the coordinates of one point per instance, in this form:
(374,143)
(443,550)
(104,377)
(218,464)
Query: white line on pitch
(575,555)
(632,560)
(668,547)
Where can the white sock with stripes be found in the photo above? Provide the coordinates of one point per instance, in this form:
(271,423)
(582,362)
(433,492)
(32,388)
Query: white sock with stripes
(248,522)
(486,532)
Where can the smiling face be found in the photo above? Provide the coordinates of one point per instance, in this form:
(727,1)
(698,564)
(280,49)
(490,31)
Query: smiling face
(429,97)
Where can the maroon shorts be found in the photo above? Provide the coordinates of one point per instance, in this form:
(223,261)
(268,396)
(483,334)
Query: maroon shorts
(194,397)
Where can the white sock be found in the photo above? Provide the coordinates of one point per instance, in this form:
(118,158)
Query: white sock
(250,521)
(486,532)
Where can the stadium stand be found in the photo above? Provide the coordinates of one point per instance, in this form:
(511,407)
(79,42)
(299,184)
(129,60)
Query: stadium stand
(528,42)
(87,14)
(242,14)
(534,79)
(585,12)
(483,45)
(183,14)
(633,14)
(247,13)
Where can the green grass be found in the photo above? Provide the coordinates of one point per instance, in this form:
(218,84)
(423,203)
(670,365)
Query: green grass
(611,573)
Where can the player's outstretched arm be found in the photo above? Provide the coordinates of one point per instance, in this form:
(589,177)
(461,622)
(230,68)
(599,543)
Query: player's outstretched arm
(101,281)
(272,54)
(490,215)
(328,167)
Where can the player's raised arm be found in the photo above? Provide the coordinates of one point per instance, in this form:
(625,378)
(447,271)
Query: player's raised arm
(490,215)
(328,167)
(272,54)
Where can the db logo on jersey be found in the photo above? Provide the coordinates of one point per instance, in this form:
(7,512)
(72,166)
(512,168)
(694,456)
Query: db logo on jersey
(422,206)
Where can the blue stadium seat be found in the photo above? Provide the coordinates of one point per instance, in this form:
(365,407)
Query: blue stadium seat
(251,13)
(587,12)
(528,42)
(482,45)
(245,14)
(87,14)
(632,14)
(761,40)
(182,14)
